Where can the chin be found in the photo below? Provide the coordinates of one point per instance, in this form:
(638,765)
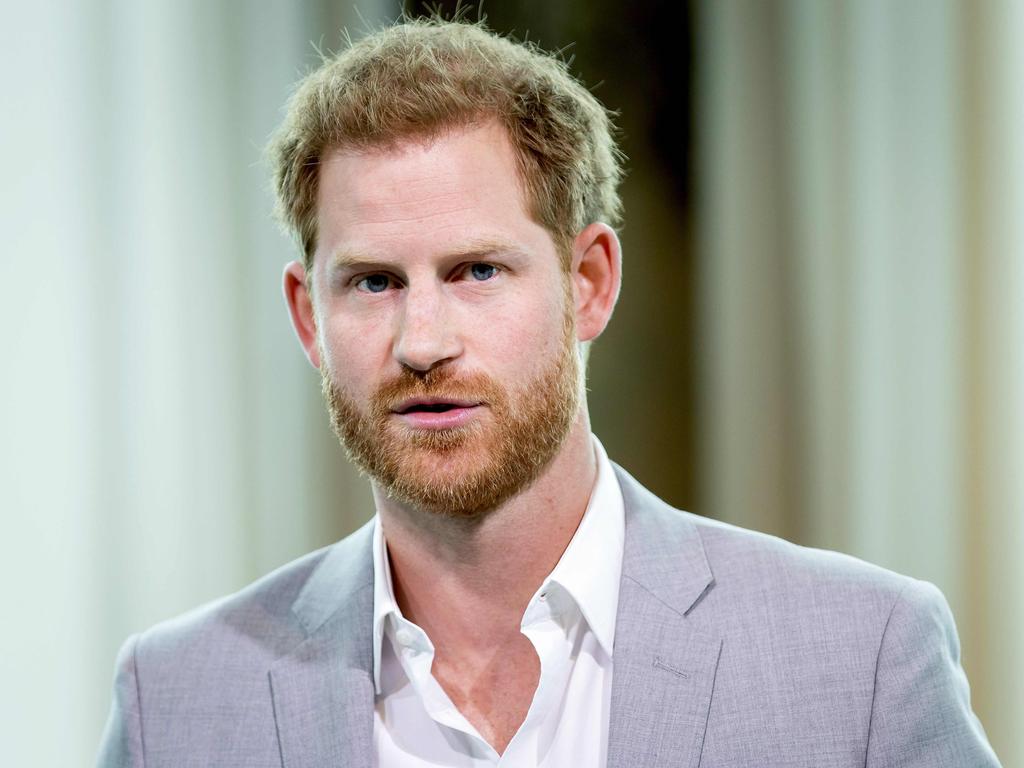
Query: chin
(466,482)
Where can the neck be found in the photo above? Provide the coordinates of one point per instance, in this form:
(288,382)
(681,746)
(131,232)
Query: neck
(468,582)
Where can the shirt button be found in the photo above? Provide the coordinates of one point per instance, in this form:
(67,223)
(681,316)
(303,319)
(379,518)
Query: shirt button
(543,596)
(404,636)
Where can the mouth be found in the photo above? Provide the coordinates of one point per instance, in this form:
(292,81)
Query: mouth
(434,413)
(431,405)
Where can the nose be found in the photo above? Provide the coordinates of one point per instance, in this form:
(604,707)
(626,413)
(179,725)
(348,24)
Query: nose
(425,337)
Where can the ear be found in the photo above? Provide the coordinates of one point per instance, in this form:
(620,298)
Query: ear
(597,276)
(300,307)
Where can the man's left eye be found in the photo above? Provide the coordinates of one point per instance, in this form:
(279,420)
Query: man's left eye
(481,271)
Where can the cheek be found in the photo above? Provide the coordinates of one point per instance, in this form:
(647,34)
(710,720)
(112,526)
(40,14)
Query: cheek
(528,334)
(353,354)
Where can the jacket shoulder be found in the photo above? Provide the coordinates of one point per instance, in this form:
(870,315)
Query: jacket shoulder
(749,566)
(752,558)
(258,616)
(263,620)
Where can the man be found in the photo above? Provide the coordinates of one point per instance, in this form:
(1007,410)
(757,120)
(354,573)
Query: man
(518,599)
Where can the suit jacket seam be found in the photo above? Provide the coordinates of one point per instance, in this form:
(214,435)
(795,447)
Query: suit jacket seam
(277,723)
(878,658)
(649,592)
(711,699)
(310,629)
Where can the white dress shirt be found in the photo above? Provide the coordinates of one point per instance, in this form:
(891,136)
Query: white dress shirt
(571,623)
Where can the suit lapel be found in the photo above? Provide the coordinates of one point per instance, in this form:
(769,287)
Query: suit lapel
(323,689)
(664,667)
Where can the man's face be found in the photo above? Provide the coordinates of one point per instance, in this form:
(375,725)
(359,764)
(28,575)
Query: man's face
(445,321)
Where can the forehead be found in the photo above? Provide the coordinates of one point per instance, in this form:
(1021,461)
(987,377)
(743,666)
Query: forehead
(463,184)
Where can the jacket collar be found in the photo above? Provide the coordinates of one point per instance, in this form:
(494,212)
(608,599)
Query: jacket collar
(664,667)
(663,551)
(323,689)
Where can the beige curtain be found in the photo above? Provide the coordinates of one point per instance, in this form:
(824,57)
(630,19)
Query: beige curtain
(862,252)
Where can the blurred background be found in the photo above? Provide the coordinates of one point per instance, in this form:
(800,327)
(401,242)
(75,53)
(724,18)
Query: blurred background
(821,332)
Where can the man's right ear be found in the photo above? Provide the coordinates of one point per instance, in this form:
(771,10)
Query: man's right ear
(300,307)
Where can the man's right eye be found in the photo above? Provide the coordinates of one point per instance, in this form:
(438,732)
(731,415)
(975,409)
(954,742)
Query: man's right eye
(374,283)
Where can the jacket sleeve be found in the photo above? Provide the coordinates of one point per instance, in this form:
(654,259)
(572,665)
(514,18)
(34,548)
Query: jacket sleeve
(121,746)
(921,713)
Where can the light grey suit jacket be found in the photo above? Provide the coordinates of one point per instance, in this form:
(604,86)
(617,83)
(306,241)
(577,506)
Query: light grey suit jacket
(732,648)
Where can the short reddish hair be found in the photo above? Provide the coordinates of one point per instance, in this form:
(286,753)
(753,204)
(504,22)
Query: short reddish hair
(419,77)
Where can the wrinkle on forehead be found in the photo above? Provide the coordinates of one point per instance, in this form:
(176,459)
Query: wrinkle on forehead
(434,173)
(384,211)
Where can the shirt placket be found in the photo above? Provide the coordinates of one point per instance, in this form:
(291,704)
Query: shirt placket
(544,625)
(416,655)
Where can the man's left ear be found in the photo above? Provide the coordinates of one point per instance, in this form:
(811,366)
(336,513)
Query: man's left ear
(597,276)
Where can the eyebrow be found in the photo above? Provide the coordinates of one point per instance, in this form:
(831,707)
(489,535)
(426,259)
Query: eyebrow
(473,250)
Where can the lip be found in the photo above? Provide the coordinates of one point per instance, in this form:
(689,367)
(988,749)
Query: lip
(450,419)
(461,412)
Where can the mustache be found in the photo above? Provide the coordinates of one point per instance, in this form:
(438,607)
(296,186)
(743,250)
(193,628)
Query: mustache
(441,383)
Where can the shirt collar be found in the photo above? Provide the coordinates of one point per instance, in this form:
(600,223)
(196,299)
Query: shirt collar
(589,569)
(384,603)
(591,566)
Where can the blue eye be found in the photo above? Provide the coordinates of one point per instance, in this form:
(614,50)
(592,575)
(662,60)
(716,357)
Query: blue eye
(481,271)
(374,283)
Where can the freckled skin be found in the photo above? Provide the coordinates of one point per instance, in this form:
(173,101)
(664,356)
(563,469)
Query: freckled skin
(413,213)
